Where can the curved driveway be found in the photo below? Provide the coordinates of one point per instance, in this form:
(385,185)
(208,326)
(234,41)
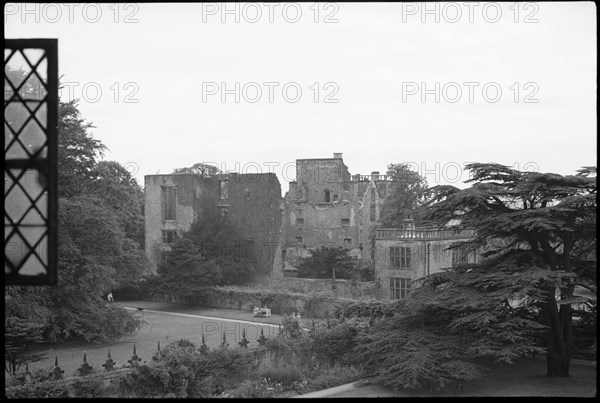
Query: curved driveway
(164,327)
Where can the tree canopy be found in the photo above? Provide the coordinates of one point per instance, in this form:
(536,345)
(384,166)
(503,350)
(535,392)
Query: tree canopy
(78,151)
(324,259)
(536,235)
(211,252)
(199,168)
(405,196)
(541,225)
(100,235)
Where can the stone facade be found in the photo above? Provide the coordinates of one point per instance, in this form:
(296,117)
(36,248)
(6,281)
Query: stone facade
(326,205)
(404,255)
(252,203)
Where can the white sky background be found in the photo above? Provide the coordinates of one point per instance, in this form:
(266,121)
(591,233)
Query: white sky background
(370,54)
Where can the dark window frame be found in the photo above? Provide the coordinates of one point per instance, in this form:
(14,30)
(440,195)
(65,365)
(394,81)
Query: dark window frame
(169,200)
(48,166)
(169,233)
(400,257)
(399,287)
(460,255)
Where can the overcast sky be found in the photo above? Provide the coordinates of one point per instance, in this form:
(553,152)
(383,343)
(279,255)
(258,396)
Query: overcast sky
(160,69)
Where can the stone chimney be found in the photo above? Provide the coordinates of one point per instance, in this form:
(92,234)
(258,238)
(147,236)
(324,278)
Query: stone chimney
(337,155)
(375,175)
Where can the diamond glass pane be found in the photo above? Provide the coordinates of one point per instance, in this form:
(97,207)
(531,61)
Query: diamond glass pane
(33,55)
(15,115)
(33,89)
(16,69)
(32,137)
(41,112)
(33,266)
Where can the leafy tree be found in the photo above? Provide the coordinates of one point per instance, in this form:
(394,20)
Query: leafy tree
(206,170)
(119,190)
(98,221)
(323,260)
(23,328)
(78,151)
(413,350)
(405,196)
(209,253)
(538,234)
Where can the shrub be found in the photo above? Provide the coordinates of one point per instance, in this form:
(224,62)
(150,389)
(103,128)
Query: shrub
(314,306)
(45,389)
(367,309)
(334,343)
(324,377)
(297,352)
(255,388)
(184,372)
(90,387)
(403,353)
(286,375)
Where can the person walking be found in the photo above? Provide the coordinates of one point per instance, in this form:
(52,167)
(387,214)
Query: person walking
(110,297)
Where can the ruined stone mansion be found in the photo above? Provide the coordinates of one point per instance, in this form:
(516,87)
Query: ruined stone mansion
(325,205)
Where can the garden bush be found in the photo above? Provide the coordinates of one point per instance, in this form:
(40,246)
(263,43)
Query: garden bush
(335,341)
(286,375)
(326,376)
(184,372)
(255,388)
(367,309)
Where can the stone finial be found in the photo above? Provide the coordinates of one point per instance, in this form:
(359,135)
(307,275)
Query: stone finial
(203,347)
(27,375)
(135,360)
(159,354)
(224,342)
(56,372)
(262,339)
(244,342)
(85,368)
(109,364)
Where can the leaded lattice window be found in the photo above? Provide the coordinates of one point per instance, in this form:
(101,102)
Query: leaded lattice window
(30,161)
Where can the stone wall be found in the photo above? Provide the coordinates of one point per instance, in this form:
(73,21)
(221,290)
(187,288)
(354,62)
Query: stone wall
(326,206)
(251,202)
(340,289)
(428,256)
(280,302)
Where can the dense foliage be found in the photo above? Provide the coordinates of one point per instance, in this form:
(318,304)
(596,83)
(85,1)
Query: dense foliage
(183,371)
(537,234)
(210,253)
(199,168)
(100,237)
(406,196)
(323,260)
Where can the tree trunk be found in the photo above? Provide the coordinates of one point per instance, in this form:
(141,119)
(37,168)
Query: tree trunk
(559,337)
